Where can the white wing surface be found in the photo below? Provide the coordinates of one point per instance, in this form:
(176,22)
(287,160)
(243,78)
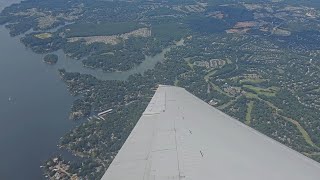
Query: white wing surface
(180,137)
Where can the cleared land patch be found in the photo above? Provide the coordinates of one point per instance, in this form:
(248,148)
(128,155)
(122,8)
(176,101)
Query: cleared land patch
(189,63)
(302,131)
(252,80)
(248,115)
(206,77)
(251,95)
(271,91)
(114,39)
(223,106)
(105,29)
(43,35)
(217,88)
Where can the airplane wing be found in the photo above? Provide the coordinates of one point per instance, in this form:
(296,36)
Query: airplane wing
(180,137)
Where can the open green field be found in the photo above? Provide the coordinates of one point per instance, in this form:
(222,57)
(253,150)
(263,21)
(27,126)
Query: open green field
(176,82)
(189,63)
(302,131)
(223,106)
(206,77)
(43,35)
(252,80)
(248,115)
(271,91)
(104,29)
(250,95)
(217,88)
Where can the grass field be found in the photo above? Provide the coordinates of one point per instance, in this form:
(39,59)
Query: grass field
(189,63)
(271,91)
(43,35)
(302,131)
(228,103)
(206,77)
(176,82)
(217,88)
(248,115)
(252,80)
(251,95)
(104,29)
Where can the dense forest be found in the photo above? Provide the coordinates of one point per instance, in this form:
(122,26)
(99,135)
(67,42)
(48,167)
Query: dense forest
(50,59)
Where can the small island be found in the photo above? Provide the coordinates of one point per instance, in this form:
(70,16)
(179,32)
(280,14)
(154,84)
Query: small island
(50,59)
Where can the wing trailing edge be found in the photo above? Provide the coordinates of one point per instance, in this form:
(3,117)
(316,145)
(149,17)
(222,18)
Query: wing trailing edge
(180,137)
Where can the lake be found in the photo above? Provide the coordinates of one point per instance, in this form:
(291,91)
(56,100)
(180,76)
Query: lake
(34,108)
(35,104)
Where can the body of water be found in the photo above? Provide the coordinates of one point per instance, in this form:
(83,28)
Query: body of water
(34,107)
(35,104)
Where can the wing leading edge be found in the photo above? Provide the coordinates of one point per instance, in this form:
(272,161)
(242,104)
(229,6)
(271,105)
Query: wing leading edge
(180,137)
